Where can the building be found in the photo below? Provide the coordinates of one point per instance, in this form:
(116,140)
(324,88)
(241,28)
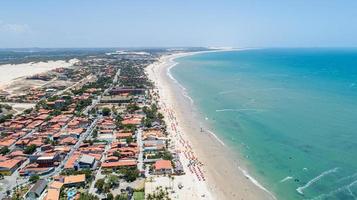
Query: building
(53,194)
(48,160)
(7,167)
(127,90)
(163,167)
(119,164)
(74,180)
(36,191)
(115,99)
(85,162)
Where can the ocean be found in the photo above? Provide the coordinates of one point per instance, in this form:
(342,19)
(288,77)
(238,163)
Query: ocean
(291,113)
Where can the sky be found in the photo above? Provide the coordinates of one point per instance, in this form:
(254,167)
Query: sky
(169,23)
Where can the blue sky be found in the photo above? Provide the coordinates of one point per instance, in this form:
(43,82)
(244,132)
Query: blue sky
(149,23)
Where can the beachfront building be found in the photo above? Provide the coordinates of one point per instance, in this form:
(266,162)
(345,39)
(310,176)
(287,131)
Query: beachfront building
(163,167)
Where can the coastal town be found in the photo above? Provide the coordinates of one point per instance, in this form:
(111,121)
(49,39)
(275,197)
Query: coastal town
(95,130)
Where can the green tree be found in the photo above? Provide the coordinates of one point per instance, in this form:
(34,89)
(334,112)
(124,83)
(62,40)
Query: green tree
(159,194)
(113,181)
(130,174)
(30,149)
(34,178)
(117,154)
(110,196)
(4,150)
(86,196)
(106,111)
(99,184)
(122,196)
(131,108)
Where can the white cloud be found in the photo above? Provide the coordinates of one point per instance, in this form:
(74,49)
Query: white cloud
(14,28)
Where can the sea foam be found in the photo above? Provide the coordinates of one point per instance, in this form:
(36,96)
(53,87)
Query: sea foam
(314,180)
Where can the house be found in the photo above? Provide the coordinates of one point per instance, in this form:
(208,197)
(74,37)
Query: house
(68,141)
(153,134)
(123,135)
(85,162)
(36,190)
(7,167)
(118,164)
(35,169)
(163,167)
(54,190)
(74,180)
(53,194)
(56,185)
(132,121)
(7,142)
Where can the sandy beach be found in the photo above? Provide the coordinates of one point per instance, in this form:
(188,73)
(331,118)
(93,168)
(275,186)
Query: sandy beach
(219,175)
(10,72)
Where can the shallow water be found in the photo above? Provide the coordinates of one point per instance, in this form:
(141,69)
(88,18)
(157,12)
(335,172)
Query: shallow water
(291,112)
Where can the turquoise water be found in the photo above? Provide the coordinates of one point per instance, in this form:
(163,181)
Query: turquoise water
(291,112)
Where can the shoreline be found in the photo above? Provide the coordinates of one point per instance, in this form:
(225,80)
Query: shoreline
(226,177)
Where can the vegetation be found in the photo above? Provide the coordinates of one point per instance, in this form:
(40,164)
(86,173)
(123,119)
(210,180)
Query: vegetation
(139,195)
(122,196)
(113,181)
(28,111)
(5,106)
(100,184)
(129,174)
(131,108)
(34,178)
(110,196)
(30,149)
(4,150)
(152,115)
(117,154)
(166,155)
(82,104)
(86,196)
(106,111)
(5,117)
(159,194)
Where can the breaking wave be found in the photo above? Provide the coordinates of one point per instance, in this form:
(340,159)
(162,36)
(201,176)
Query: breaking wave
(216,137)
(286,179)
(314,180)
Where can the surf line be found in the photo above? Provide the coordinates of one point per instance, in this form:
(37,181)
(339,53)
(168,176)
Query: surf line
(255,182)
(286,179)
(215,136)
(183,89)
(338,190)
(314,180)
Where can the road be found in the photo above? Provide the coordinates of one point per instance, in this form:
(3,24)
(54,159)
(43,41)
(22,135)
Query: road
(99,175)
(141,150)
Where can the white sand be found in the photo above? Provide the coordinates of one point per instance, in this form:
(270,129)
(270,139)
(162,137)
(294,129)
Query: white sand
(9,72)
(224,177)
